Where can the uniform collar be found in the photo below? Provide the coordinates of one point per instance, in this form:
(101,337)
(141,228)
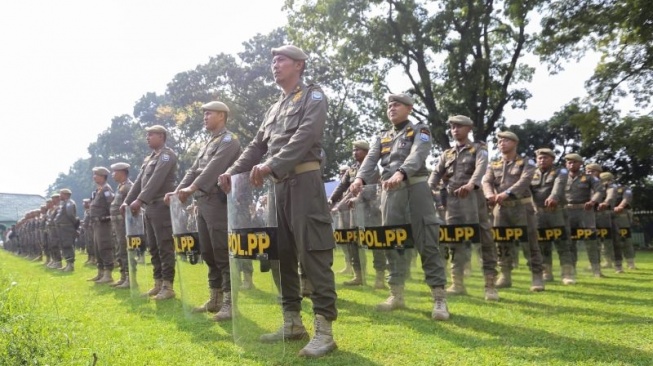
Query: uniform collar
(400,126)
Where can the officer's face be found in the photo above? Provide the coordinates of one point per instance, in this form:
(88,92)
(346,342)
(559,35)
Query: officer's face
(118,175)
(460,132)
(593,172)
(155,140)
(213,120)
(506,145)
(284,68)
(544,162)
(398,112)
(359,154)
(573,166)
(99,179)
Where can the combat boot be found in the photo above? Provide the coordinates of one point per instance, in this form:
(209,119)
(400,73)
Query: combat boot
(225,310)
(379,280)
(306,286)
(356,281)
(97,277)
(631,263)
(107,277)
(618,268)
(505,278)
(440,309)
(123,277)
(292,328)
(458,285)
(596,270)
(56,265)
(394,301)
(154,290)
(547,273)
(70,267)
(608,263)
(48,260)
(124,284)
(491,293)
(322,342)
(537,282)
(247,284)
(212,305)
(568,274)
(167,292)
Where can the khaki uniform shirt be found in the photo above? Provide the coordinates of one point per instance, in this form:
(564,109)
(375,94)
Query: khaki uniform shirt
(583,188)
(101,202)
(549,184)
(623,195)
(515,175)
(67,214)
(460,165)
(156,178)
(119,197)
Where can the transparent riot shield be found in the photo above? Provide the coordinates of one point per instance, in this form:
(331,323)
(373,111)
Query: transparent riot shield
(384,232)
(187,247)
(345,233)
(135,232)
(254,263)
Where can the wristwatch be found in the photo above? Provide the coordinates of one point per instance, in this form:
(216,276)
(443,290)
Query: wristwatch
(508,192)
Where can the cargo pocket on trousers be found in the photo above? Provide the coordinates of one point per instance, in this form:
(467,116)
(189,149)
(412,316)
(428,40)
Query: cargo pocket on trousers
(319,233)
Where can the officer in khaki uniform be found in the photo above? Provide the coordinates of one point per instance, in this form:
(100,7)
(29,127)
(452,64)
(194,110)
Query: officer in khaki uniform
(42,226)
(101,220)
(156,178)
(67,223)
(583,194)
(623,217)
(120,173)
(462,167)
(402,151)
(291,136)
(343,170)
(604,215)
(506,186)
(85,228)
(54,241)
(201,180)
(548,188)
(342,200)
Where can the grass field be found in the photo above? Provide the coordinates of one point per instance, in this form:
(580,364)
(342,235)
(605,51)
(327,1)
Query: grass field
(52,318)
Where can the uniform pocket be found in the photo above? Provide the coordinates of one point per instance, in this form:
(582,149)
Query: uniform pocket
(319,234)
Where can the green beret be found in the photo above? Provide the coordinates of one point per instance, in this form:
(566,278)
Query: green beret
(100,170)
(215,106)
(290,51)
(156,128)
(401,98)
(545,151)
(361,144)
(606,176)
(120,166)
(65,191)
(593,166)
(460,120)
(574,157)
(508,135)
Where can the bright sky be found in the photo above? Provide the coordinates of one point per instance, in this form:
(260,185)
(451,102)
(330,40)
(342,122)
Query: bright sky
(69,66)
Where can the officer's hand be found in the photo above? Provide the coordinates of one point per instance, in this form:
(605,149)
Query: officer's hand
(603,206)
(491,200)
(394,181)
(166,198)
(463,191)
(135,207)
(356,187)
(184,193)
(258,174)
(551,203)
(501,197)
(224,182)
(618,209)
(589,206)
(123,207)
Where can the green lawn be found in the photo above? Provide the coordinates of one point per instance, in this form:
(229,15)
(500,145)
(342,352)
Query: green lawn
(48,317)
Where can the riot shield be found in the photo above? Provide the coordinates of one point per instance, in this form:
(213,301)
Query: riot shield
(135,232)
(345,233)
(253,255)
(187,247)
(384,231)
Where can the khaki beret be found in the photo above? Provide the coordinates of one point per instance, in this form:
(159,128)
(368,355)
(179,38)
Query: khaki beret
(120,166)
(401,98)
(343,168)
(361,144)
(574,157)
(156,128)
(65,191)
(291,51)
(460,120)
(100,170)
(545,151)
(215,106)
(86,200)
(55,195)
(593,166)
(508,135)
(606,176)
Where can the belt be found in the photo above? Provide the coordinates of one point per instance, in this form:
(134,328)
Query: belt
(415,180)
(576,206)
(513,203)
(101,219)
(306,167)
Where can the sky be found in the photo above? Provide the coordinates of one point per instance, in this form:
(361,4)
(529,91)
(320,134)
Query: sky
(68,67)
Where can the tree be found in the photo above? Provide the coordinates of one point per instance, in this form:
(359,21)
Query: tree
(621,30)
(460,57)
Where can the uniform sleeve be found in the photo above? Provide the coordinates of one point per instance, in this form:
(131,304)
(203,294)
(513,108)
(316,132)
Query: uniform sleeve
(71,211)
(418,152)
(368,166)
(481,166)
(488,183)
(437,173)
(135,190)
(627,199)
(611,195)
(598,191)
(521,188)
(226,154)
(158,178)
(341,188)
(253,152)
(308,134)
(559,184)
(190,175)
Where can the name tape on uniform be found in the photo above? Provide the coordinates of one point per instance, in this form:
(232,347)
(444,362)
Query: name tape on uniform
(551,233)
(457,234)
(345,236)
(134,241)
(509,234)
(187,242)
(386,237)
(580,233)
(604,232)
(254,243)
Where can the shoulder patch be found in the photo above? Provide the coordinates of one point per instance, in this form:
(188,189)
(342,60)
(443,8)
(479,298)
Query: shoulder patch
(316,95)
(531,162)
(628,191)
(424,134)
(165,157)
(564,171)
(227,137)
(595,179)
(108,194)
